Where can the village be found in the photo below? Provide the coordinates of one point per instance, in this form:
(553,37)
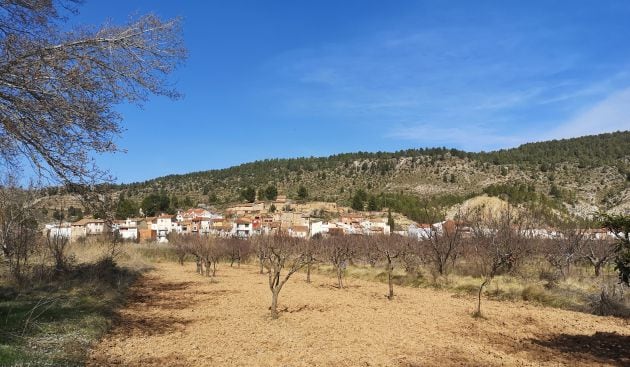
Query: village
(277,217)
(280,216)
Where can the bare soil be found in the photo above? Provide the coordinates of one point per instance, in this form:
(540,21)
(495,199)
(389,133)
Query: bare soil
(178,318)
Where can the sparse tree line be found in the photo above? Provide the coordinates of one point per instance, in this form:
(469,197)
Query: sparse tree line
(25,248)
(478,245)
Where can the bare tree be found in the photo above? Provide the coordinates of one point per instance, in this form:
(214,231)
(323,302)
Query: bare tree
(311,246)
(261,248)
(18,227)
(498,242)
(237,249)
(339,250)
(599,252)
(390,248)
(179,245)
(565,248)
(444,241)
(56,244)
(282,254)
(58,88)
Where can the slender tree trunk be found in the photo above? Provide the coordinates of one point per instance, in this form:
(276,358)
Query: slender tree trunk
(390,268)
(598,269)
(339,277)
(308,272)
(214,268)
(481,287)
(274,303)
(260,261)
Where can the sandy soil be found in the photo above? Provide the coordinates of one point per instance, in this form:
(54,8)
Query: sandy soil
(178,318)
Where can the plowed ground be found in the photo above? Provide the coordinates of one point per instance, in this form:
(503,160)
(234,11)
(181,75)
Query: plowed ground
(178,318)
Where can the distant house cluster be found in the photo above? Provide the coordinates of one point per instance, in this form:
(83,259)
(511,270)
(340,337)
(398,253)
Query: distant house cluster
(426,231)
(302,220)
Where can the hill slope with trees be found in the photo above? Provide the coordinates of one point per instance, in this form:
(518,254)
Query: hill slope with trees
(561,177)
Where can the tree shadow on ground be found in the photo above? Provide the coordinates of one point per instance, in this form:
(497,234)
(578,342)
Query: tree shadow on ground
(601,347)
(148,295)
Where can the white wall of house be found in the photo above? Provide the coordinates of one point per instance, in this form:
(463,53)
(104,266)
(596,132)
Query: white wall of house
(95,228)
(128,233)
(242,229)
(60,231)
(319,228)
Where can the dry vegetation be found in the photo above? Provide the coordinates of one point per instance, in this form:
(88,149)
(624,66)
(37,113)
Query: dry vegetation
(179,318)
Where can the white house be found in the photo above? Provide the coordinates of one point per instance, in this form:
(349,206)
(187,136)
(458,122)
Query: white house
(420,231)
(58,230)
(127,229)
(298,231)
(319,227)
(162,225)
(88,227)
(243,227)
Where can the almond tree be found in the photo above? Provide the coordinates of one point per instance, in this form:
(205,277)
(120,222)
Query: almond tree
(390,248)
(339,250)
(565,248)
(261,248)
(599,252)
(498,243)
(237,249)
(283,256)
(443,242)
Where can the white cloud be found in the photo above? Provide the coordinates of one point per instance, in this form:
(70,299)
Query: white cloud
(468,137)
(610,114)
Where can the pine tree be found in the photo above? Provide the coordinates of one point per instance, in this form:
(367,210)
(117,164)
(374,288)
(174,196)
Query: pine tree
(390,220)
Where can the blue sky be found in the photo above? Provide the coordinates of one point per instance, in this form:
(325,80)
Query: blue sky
(299,78)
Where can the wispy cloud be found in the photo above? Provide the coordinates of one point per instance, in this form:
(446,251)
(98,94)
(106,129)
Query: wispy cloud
(473,87)
(471,137)
(609,114)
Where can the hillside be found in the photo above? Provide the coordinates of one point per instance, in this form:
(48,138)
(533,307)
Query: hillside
(560,177)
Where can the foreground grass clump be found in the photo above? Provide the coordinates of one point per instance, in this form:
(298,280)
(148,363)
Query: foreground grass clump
(55,321)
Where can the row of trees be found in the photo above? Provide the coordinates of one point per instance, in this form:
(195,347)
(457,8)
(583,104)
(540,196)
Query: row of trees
(270,192)
(488,244)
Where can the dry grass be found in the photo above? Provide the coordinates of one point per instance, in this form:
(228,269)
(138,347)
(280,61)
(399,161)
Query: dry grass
(178,318)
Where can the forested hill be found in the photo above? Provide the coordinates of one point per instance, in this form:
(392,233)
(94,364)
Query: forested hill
(579,175)
(586,151)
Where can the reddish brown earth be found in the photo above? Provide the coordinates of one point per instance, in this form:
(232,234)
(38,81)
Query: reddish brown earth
(178,318)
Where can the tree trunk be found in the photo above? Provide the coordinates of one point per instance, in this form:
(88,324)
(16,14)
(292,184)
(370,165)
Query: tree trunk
(274,303)
(214,268)
(390,268)
(308,272)
(440,268)
(261,265)
(485,282)
(598,269)
(340,277)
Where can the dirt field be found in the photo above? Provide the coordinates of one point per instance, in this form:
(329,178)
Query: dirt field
(178,318)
